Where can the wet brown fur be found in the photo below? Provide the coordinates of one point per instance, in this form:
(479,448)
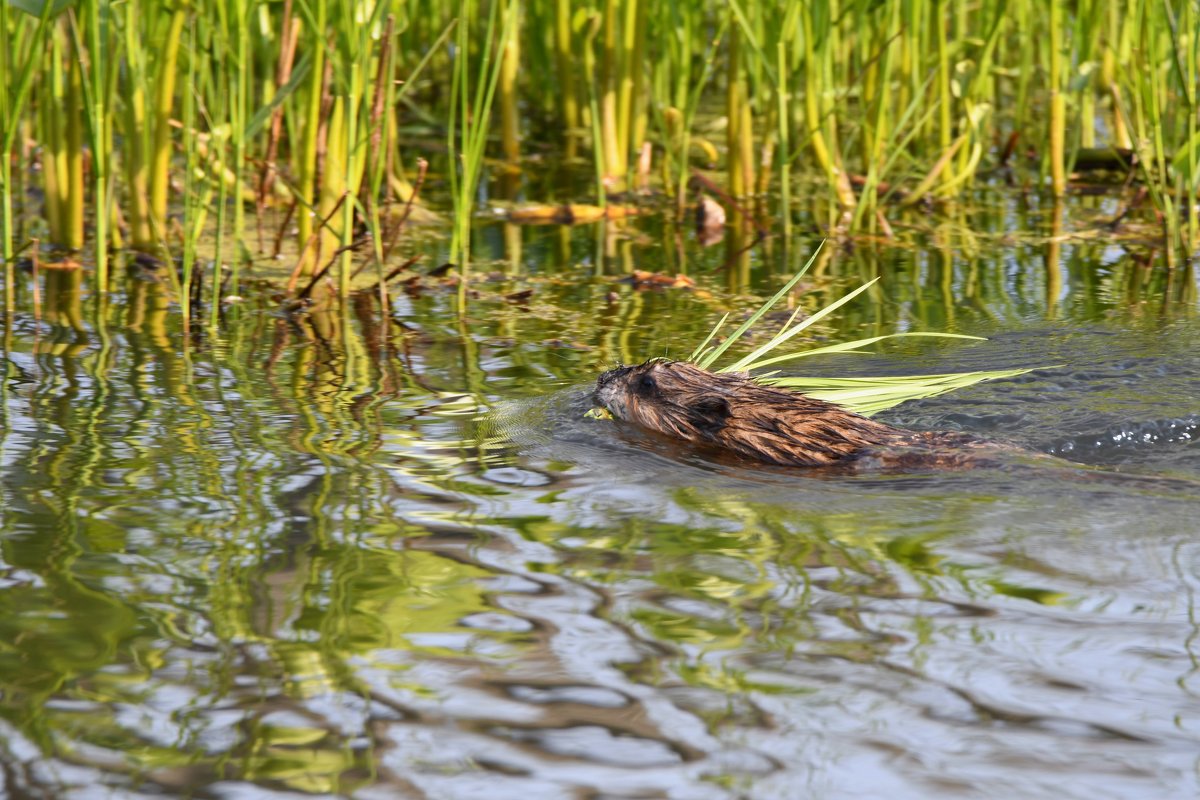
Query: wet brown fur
(734,414)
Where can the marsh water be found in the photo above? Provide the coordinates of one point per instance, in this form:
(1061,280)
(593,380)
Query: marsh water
(385,555)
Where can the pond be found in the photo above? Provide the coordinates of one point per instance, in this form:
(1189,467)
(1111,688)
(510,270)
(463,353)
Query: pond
(385,555)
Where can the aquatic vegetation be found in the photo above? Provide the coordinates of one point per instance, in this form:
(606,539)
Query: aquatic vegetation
(291,560)
(254,537)
(863,395)
(312,113)
(471,99)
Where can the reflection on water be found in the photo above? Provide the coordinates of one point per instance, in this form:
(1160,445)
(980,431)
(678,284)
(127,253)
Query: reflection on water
(302,559)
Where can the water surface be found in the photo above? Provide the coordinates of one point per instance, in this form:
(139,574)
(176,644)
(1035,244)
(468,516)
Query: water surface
(387,556)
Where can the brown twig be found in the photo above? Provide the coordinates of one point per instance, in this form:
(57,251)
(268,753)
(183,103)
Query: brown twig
(37,292)
(287,218)
(394,234)
(323,133)
(732,257)
(1010,145)
(388,278)
(882,188)
(359,242)
(313,237)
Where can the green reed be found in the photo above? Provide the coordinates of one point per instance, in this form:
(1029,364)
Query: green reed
(510,64)
(22,44)
(60,131)
(565,65)
(593,109)
(309,126)
(471,95)
(99,74)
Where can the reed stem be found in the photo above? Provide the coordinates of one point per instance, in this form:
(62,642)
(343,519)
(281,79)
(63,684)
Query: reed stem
(1058,108)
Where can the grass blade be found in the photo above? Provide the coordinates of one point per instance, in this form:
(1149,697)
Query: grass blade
(696,353)
(868,396)
(750,361)
(855,345)
(720,349)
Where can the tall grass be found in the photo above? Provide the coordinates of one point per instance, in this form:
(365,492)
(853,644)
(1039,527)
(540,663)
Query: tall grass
(473,88)
(21,46)
(301,111)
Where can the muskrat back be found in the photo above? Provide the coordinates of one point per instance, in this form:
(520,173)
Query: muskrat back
(735,414)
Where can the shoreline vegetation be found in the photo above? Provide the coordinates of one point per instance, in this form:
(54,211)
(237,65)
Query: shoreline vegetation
(208,134)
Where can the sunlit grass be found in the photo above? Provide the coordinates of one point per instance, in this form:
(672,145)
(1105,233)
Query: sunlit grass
(883,104)
(863,395)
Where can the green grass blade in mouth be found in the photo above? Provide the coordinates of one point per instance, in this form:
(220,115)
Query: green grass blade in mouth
(750,361)
(862,395)
(720,349)
(845,347)
(867,396)
(699,350)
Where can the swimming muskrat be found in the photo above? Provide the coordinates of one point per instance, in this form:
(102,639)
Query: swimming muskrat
(734,414)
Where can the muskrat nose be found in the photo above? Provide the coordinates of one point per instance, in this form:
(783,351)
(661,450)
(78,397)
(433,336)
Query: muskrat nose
(605,388)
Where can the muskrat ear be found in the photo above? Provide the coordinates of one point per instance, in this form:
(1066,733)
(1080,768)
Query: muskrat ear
(709,413)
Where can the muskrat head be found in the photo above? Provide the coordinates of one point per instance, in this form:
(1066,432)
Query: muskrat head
(735,414)
(671,397)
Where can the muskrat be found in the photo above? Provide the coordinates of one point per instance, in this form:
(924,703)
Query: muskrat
(735,414)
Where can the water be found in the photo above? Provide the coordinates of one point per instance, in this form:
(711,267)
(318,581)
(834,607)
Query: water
(392,559)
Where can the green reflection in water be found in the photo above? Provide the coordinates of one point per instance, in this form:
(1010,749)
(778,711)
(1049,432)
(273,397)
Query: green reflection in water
(187,540)
(252,559)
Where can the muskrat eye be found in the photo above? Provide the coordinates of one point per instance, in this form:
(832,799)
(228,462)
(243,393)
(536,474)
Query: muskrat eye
(646,385)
